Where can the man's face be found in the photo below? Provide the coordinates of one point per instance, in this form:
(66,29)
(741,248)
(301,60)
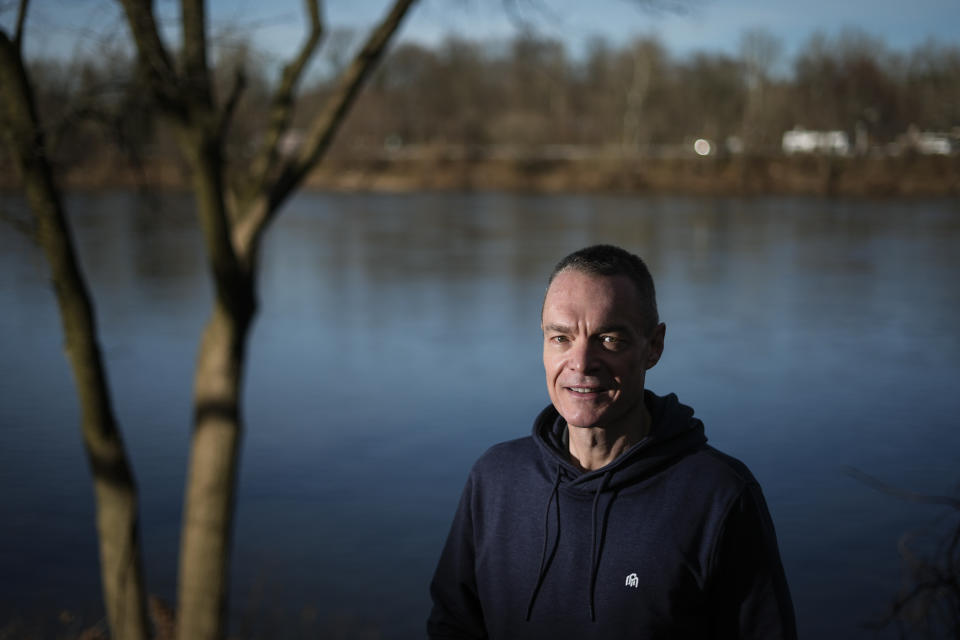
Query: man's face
(595,353)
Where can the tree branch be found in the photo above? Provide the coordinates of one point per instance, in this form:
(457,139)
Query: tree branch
(281,103)
(83,107)
(903,494)
(154,59)
(320,133)
(232,279)
(195,67)
(230,106)
(326,124)
(21,20)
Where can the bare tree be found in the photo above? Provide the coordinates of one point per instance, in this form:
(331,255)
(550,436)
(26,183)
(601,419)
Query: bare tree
(234,212)
(115,490)
(647,56)
(759,54)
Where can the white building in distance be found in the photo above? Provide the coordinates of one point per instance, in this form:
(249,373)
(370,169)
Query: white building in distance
(799,140)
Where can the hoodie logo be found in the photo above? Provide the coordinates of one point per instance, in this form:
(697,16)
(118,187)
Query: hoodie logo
(633,581)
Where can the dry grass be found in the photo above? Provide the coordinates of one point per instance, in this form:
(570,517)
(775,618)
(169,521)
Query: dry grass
(903,176)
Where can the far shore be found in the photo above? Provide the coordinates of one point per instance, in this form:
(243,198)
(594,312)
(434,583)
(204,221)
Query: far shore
(732,175)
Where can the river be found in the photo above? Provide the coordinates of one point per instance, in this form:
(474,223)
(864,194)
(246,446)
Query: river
(398,339)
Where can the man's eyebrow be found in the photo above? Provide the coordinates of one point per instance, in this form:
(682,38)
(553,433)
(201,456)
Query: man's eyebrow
(614,328)
(611,328)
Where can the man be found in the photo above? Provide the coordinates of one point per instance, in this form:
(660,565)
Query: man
(614,519)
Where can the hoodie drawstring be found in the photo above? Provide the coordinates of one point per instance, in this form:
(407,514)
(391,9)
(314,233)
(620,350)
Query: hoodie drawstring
(594,546)
(541,572)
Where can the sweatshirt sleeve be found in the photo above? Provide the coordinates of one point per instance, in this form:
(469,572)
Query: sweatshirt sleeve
(456,611)
(752,598)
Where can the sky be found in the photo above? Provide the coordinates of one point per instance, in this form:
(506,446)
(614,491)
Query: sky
(712,25)
(684,26)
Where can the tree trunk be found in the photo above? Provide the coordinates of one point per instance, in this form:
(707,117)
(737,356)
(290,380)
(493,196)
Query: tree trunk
(115,492)
(204,578)
(232,243)
(211,481)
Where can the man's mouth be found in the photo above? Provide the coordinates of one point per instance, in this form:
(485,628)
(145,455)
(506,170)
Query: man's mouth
(586,389)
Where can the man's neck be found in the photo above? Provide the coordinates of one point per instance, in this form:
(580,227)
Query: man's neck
(592,448)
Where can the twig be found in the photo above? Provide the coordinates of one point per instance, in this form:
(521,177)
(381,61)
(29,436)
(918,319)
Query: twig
(230,106)
(903,494)
(281,103)
(21,19)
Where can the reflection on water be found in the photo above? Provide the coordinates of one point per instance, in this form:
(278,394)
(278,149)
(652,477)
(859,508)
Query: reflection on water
(398,339)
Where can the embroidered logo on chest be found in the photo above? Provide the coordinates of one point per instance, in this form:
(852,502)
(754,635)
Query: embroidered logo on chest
(633,581)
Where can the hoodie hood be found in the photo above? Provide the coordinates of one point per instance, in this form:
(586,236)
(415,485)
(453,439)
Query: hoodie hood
(674,432)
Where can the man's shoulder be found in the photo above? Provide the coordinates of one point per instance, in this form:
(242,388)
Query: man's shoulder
(507,454)
(505,466)
(710,466)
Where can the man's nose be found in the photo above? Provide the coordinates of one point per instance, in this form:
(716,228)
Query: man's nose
(582,356)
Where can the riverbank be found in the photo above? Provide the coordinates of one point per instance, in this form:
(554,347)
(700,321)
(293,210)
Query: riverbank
(730,176)
(450,170)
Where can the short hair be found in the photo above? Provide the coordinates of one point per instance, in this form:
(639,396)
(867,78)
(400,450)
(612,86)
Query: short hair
(608,260)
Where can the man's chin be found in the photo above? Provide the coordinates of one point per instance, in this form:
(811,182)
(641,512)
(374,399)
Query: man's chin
(580,421)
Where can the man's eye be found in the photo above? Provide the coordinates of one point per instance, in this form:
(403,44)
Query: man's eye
(614,343)
(558,339)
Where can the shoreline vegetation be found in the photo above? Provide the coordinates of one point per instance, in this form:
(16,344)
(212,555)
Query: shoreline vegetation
(847,115)
(573,171)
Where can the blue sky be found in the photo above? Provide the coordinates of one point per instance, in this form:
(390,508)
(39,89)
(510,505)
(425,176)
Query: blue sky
(57,26)
(703,24)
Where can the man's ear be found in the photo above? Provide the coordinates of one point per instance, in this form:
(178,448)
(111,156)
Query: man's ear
(655,344)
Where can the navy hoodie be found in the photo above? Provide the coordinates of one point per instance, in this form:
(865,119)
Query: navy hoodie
(671,540)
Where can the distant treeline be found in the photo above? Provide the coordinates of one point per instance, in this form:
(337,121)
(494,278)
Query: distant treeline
(531,95)
(532,92)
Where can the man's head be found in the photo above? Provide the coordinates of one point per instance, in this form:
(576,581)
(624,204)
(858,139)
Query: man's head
(608,260)
(601,333)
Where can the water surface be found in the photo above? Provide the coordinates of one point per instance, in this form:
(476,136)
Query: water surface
(398,339)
